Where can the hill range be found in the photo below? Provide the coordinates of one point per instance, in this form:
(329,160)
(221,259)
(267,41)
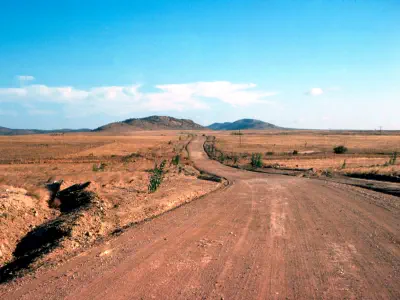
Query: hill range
(151,123)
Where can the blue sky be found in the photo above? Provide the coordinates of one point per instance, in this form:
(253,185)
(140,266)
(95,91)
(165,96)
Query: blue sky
(304,64)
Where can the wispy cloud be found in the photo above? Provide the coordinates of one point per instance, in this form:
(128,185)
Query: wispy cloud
(231,93)
(319,91)
(315,92)
(23,78)
(117,100)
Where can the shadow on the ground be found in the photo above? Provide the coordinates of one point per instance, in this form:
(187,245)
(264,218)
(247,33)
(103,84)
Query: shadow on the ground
(47,236)
(41,240)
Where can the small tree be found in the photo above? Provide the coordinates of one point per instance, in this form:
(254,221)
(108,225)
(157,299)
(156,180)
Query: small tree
(256,160)
(340,149)
(295,152)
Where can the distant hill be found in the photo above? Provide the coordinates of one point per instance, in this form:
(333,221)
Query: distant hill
(243,124)
(9,131)
(150,123)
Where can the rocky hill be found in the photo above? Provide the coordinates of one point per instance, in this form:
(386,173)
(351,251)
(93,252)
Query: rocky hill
(150,123)
(243,124)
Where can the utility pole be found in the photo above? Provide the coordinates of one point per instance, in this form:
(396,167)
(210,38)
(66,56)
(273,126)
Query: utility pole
(240,139)
(380,129)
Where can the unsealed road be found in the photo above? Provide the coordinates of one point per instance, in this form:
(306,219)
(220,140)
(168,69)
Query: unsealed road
(262,237)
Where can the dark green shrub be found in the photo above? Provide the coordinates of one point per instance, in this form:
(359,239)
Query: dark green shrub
(176,159)
(269,153)
(210,149)
(295,152)
(156,177)
(340,149)
(256,160)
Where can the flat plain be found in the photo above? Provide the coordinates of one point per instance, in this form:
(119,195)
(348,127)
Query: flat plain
(368,151)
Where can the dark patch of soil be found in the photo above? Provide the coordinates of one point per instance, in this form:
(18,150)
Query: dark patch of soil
(378,177)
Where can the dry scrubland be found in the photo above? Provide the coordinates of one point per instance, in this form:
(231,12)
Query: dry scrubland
(367,151)
(118,168)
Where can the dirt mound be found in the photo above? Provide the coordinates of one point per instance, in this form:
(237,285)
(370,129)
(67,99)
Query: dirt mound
(76,227)
(70,198)
(20,211)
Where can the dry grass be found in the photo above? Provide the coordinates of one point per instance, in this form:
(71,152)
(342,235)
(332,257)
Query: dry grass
(368,151)
(322,163)
(35,147)
(316,141)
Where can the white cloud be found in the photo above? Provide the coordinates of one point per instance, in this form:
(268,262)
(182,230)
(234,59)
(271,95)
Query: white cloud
(118,100)
(17,92)
(25,78)
(315,92)
(233,94)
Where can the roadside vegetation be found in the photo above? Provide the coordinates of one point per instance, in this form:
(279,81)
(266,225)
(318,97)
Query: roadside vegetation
(156,178)
(256,161)
(176,159)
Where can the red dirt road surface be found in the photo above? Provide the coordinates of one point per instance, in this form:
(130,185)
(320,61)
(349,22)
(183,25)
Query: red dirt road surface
(261,237)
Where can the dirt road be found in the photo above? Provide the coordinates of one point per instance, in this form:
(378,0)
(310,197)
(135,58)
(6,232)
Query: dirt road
(262,237)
